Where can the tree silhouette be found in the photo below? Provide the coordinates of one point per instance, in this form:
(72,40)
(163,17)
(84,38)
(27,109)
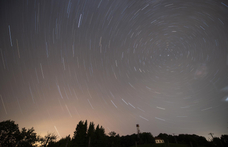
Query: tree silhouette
(80,134)
(11,136)
(9,133)
(112,134)
(99,136)
(224,139)
(217,142)
(92,137)
(63,142)
(27,138)
(147,138)
(90,134)
(50,137)
(164,136)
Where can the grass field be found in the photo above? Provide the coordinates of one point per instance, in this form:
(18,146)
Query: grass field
(162,145)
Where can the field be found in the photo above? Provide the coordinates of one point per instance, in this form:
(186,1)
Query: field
(163,145)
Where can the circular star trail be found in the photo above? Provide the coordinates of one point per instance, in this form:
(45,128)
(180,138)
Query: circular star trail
(158,63)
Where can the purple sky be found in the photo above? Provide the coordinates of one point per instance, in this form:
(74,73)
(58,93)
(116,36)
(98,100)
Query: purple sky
(162,64)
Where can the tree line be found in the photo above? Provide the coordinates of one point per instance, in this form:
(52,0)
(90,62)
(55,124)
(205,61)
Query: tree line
(89,135)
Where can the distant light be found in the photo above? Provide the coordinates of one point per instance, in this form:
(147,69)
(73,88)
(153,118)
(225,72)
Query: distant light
(226,99)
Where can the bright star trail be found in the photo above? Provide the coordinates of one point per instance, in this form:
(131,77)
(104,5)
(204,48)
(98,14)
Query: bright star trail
(162,64)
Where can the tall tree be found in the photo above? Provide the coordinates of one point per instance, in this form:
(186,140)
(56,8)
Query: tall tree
(90,134)
(80,134)
(100,137)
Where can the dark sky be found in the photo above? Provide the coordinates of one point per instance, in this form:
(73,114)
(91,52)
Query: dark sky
(162,64)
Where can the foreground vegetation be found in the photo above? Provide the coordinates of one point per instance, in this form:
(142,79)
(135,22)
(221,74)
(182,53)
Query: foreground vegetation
(163,145)
(90,136)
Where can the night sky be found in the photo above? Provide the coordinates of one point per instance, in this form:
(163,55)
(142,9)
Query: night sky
(162,64)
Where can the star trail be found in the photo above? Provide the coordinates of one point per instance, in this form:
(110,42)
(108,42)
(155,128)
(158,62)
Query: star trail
(162,64)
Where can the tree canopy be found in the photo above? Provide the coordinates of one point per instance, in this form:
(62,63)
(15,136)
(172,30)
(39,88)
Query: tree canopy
(10,135)
(90,136)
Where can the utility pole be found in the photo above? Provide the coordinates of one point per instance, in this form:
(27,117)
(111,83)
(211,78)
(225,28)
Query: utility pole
(138,131)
